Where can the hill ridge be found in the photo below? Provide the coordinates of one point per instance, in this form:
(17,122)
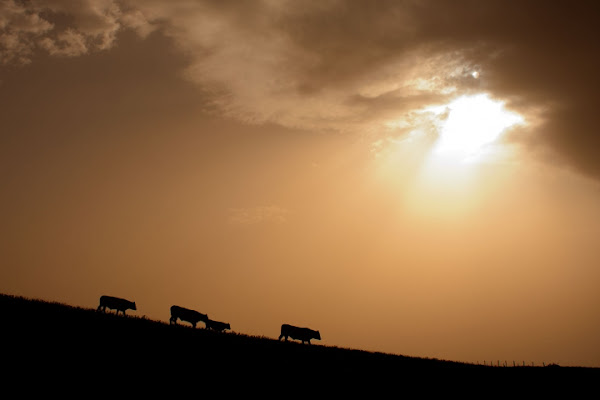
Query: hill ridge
(86,342)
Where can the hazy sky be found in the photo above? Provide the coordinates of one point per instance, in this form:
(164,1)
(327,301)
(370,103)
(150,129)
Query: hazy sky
(414,177)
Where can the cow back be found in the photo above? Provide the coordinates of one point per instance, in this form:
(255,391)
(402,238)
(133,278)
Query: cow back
(299,333)
(188,315)
(217,325)
(116,303)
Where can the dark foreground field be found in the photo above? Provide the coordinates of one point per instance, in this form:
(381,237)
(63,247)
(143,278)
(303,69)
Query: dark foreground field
(60,343)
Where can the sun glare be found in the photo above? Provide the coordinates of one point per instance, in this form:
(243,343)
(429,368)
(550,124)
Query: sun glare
(473,122)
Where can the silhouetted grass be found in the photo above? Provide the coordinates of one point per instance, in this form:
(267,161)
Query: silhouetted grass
(55,339)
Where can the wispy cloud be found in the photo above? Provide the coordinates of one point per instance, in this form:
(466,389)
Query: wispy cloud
(257,215)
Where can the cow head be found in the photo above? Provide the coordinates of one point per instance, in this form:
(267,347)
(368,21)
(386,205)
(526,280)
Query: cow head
(134,307)
(317,335)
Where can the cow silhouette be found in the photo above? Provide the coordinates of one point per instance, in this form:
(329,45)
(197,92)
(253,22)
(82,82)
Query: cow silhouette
(217,326)
(191,316)
(115,303)
(303,334)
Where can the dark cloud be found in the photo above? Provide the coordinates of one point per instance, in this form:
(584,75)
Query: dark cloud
(356,64)
(536,54)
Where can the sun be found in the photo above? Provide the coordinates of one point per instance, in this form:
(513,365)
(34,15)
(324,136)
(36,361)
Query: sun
(471,123)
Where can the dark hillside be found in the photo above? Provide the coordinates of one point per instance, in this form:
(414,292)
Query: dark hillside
(55,340)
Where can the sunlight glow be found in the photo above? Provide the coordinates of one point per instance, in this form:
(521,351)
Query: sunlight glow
(471,123)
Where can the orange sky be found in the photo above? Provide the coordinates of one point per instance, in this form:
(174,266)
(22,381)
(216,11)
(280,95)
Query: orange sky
(275,162)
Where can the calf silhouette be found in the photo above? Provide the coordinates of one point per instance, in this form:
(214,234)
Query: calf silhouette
(217,326)
(191,316)
(303,334)
(115,303)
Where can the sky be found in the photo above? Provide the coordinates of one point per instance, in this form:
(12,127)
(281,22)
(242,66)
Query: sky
(414,177)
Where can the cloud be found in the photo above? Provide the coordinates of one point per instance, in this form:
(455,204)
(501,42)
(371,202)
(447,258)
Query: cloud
(63,28)
(301,65)
(68,43)
(18,28)
(354,65)
(257,215)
